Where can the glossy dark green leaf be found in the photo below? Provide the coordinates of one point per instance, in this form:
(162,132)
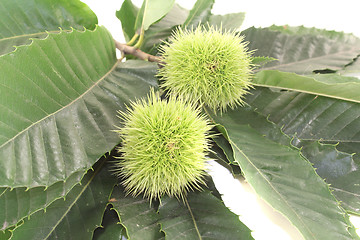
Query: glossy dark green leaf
(222,153)
(18,203)
(127,15)
(201,216)
(303,51)
(282,177)
(314,118)
(110,227)
(59,98)
(200,13)
(338,169)
(136,215)
(76,216)
(22,20)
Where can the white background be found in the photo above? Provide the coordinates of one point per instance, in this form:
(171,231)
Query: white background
(329,14)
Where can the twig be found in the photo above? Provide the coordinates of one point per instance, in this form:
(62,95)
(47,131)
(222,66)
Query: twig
(125,49)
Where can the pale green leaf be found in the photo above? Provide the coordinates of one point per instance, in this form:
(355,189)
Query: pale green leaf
(152,11)
(162,30)
(347,90)
(22,20)
(76,216)
(228,22)
(261,61)
(59,98)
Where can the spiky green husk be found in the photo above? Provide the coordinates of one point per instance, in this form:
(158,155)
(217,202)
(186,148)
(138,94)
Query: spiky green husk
(164,147)
(209,66)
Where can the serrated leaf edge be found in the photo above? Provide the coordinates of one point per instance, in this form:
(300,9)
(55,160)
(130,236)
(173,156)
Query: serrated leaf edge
(305,159)
(84,187)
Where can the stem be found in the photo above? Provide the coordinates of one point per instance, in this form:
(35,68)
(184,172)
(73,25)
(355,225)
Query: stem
(125,49)
(131,42)
(141,39)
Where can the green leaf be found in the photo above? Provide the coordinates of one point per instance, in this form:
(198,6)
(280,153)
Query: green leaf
(78,215)
(152,11)
(261,61)
(160,31)
(201,216)
(348,89)
(127,15)
(136,215)
(222,152)
(352,68)
(283,178)
(59,98)
(18,203)
(5,235)
(142,220)
(200,13)
(111,229)
(229,22)
(23,20)
(314,118)
(302,30)
(303,52)
(338,169)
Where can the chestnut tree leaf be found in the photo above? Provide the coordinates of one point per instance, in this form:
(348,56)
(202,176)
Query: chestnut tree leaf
(127,16)
(23,20)
(16,204)
(343,88)
(152,11)
(138,217)
(59,98)
(76,216)
(172,217)
(162,30)
(228,22)
(200,13)
(314,118)
(201,216)
(303,51)
(110,228)
(286,180)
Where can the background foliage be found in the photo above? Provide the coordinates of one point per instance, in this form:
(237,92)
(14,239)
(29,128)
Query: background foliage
(296,140)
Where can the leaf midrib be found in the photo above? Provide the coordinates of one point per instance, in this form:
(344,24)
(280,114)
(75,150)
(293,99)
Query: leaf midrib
(345,191)
(262,175)
(75,200)
(311,59)
(192,17)
(65,106)
(34,34)
(311,92)
(274,189)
